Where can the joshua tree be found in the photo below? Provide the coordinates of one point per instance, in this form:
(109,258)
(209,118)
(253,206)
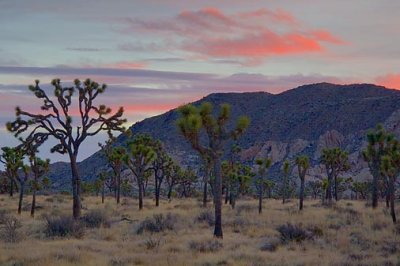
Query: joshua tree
(12,158)
(315,187)
(390,169)
(139,158)
(239,181)
(361,188)
(102,181)
(55,121)
(186,182)
(335,161)
(263,165)
(22,181)
(161,165)
(377,147)
(38,166)
(115,157)
(173,176)
(303,163)
(192,120)
(285,181)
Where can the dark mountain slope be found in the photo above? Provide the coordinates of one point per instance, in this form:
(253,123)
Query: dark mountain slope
(305,113)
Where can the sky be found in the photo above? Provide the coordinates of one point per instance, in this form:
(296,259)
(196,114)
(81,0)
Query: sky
(157,55)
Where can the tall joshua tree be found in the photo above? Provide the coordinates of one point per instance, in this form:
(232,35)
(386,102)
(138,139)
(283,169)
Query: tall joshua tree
(285,181)
(12,158)
(378,140)
(115,157)
(192,120)
(263,165)
(55,121)
(335,161)
(303,163)
(139,158)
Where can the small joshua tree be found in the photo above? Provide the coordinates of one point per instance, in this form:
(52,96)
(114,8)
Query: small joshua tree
(285,181)
(390,169)
(263,165)
(12,158)
(378,140)
(160,166)
(139,157)
(38,166)
(336,161)
(303,163)
(192,120)
(115,157)
(55,121)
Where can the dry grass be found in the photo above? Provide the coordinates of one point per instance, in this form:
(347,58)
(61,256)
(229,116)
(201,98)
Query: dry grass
(348,234)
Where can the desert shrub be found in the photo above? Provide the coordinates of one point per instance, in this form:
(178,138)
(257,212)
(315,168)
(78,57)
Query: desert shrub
(64,226)
(206,216)
(9,228)
(96,218)
(290,232)
(270,244)
(212,245)
(389,248)
(158,223)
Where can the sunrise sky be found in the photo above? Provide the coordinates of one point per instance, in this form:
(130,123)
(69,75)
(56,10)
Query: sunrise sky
(156,55)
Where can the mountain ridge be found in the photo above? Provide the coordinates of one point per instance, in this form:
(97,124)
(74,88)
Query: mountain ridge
(300,115)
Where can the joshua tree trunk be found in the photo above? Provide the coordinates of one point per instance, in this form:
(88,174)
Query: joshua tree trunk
(157,191)
(336,189)
(218,198)
(102,193)
(260,196)
(226,194)
(169,192)
(205,193)
(375,177)
(76,187)
(118,176)
(11,187)
(301,193)
(392,199)
(21,196)
(140,185)
(329,190)
(33,205)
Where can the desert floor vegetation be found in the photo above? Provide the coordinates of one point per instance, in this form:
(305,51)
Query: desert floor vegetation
(179,232)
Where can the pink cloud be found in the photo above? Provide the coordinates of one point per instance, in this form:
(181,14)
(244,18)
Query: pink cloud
(249,37)
(389,80)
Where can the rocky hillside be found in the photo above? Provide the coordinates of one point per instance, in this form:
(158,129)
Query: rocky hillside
(302,120)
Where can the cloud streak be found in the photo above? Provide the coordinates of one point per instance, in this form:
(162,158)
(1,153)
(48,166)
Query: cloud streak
(251,36)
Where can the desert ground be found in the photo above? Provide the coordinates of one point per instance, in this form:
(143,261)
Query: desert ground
(349,233)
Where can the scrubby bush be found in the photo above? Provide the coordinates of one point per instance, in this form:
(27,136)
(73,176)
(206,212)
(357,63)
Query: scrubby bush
(64,226)
(290,232)
(9,227)
(158,223)
(270,244)
(96,218)
(205,245)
